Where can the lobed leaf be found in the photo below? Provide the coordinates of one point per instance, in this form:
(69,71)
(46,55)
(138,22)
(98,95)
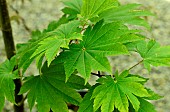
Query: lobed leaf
(73,4)
(153,54)
(126,14)
(25,51)
(98,42)
(91,8)
(52,90)
(7,75)
(58,38)
(117,93)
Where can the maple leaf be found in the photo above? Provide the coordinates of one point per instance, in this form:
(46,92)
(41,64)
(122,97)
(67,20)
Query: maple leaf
(25,51)
(90,53)
(116,92)
(91,8)
(73,4)
(7,75)
(72,9)
(126,14)
(49,89)
(55,24)
(58,38)
(153,54)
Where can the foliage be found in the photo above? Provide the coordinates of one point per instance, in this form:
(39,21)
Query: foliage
(77,46)
(7,85)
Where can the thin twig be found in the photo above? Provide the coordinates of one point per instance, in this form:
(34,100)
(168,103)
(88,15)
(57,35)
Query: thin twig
(135,65)
(10,49)
(22,19)
(22,101)
(97,74)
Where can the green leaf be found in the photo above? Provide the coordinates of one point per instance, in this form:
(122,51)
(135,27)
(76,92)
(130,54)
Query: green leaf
(153,95)
(145,106)
(24,57)
(7,75)
(49,90)
(72,14)
(126,14)
(154,54)
(87,104)
(73,4)
(58,38)
(55,24)
(91,8)
(98,42)
(118,92)
(2,100)
(72,8)
(26,50)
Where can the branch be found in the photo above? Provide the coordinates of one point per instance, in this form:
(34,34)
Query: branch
(10,49)
(135,65)
(97,74)
(22,19)
(22,101)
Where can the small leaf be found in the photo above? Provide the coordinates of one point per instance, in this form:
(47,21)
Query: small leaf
(126,14)
(73,4)
(58,38)
(91,8)
(153,54)
(55,24)
(26,51)
(6,79)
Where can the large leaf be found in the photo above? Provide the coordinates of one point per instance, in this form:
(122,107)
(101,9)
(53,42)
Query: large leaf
(49,90)
(154,54)
(91,8)
(58,38)
(7,76)
(98,42)
(117,92)
(127,14)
